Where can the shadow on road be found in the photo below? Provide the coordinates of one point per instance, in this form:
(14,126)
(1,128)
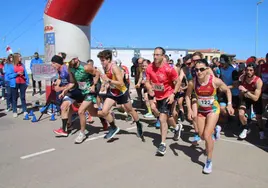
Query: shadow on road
(193,152)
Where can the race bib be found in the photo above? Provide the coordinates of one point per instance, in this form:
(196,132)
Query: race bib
(158,87)
(82,85)
(205,101)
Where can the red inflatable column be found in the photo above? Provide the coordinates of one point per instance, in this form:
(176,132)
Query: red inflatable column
(69,24)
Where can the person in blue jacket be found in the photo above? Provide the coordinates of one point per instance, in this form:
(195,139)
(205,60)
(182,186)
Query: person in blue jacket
(18,81)
(8,69)
(36,60)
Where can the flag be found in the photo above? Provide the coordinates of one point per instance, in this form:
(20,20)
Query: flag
(9,50)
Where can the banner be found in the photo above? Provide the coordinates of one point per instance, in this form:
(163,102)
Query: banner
(43,72)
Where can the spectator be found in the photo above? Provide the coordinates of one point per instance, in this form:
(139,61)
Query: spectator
(36,60)
(8,69)
(20,81)
(2,81)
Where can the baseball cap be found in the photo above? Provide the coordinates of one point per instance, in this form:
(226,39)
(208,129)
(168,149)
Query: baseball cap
(57,59)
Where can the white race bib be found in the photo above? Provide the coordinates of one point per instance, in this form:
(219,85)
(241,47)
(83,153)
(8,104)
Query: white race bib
(158,87)
(82,85)
(205,101)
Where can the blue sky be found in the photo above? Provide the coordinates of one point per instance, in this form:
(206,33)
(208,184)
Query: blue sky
(228,25)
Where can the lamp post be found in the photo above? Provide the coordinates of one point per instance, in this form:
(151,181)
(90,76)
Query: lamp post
(257,27)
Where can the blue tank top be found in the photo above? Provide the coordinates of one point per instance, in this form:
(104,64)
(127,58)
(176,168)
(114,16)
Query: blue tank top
(64,75)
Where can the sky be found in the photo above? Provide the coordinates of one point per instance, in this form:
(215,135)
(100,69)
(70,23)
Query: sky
(228,25)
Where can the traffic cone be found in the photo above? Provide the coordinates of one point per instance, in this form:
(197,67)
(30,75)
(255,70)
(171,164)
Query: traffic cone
(26,117)
(31,113)
(52,118)
(34,119)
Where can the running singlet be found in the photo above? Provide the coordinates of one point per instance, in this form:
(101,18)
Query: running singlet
(83,79)
(206,97)
(115,90)
(250,86)
(161,79)
(64,75)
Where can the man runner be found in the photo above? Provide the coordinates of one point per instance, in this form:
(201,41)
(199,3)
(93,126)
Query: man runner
(117,93)
(163,83)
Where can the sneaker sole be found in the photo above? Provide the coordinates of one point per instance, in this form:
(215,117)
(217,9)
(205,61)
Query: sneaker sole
(161,153)
(60,134)
(81,141)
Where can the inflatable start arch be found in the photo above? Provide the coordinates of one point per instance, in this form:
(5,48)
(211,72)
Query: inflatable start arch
(67,27)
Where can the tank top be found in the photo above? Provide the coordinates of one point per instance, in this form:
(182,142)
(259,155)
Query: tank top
(206,95)
(83,79)
(115,90)
(250,86)
(64,75)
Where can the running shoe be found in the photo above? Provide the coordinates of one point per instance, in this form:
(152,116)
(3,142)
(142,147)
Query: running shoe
(197,138)
(208,167)
(112,132)
(161,149)
(60,132)
(243,134)
(80,138)
(217,132)
(157,124)
(148,115)
(177,133)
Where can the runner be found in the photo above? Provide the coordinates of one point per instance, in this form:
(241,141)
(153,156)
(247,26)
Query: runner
(117,93)
(205,85)
(250,94)
(59,85)
(86,77)
(162,83)
(189,73)
(141,84)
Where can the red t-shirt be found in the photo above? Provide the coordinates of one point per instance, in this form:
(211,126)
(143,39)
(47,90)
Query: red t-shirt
(1,69)
(161,79)
(20,79)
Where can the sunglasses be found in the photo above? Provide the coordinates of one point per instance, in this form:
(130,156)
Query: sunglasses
(195,60)
(201,69)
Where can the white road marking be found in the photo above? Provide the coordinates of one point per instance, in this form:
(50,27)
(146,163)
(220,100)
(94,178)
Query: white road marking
(38,153)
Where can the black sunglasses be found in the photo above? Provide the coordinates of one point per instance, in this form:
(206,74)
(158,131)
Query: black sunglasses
(201,69)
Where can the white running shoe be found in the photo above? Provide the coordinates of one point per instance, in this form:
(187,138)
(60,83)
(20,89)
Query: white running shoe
(80,138)
(15,115)
(243,134)
(208,167)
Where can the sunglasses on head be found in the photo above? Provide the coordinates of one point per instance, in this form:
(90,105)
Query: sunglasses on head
(201,69)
